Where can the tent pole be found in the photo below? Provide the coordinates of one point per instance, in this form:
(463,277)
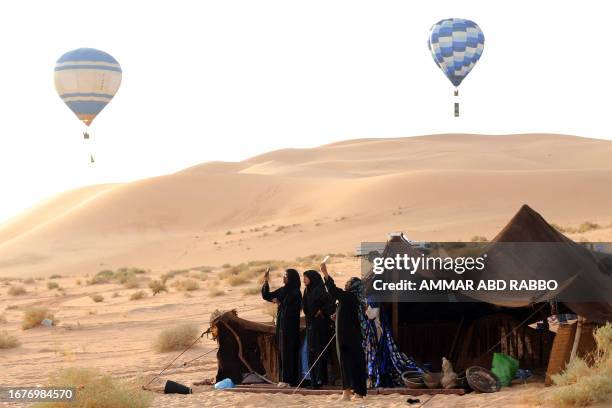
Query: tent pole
(576,339)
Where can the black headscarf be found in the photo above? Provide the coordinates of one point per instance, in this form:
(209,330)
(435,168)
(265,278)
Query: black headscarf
(315,279)
(315,296)
(293,279)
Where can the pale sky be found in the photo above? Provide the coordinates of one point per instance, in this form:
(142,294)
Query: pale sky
(226,80)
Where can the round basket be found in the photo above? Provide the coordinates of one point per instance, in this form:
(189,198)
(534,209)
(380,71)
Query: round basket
(481,379)
(413,379)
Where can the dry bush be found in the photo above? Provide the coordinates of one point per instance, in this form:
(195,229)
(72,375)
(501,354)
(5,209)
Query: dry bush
(96,390)
(216,292)
(157,287)
(270,309)
(52,285)
(34,316)
(237,280)
(79,282)
(7,341)
(29,281)
(132,283)
(176,338)
(479,238)
(97,298)
(12,307)
(588,226)
(17,290)
(141,294)
(253,290)
(101,277)
(55,276)
(187,285)
(172,274)
(580,384)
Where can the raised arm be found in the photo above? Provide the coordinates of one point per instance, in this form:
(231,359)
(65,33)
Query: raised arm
(332,289)
(266,294)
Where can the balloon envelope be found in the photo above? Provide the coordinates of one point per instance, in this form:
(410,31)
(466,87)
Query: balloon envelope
(456,45)
(87,79)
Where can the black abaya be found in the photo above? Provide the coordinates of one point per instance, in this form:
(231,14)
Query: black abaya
(318,307)
(349,339)
(287,326)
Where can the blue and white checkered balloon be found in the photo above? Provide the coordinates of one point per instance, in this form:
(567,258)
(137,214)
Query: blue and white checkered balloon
(456,45)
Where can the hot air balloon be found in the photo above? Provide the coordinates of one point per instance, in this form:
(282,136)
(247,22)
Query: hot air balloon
(87,79)
(456,45)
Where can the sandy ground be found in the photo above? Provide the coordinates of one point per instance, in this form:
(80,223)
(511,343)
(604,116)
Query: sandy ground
(279,206)
(116,336)
(293,202)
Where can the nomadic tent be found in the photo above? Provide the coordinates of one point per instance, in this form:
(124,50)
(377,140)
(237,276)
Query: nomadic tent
(467,333)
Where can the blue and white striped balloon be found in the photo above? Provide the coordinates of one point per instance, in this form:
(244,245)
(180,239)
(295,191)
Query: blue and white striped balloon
(456,45)
(87,79)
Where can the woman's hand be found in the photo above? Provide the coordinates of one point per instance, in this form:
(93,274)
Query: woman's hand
(324,270)
(319,313)
(267,275)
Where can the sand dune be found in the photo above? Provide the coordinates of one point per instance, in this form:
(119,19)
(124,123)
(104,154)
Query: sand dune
(297,201)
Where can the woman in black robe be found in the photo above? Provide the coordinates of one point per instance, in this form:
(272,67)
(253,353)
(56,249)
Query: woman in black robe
(318,307)
(349,335)
(289,302)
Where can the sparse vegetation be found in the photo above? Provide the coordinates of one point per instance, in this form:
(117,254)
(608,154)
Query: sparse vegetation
(253,290)
(582,228)
(16,290)
(172,274)
(479,238)
(34,316)
(8,341)
(141,294)
(187,285)
(52,285)
(157,287)
(29,281)
(97,298)
(96,390)
(580,384)
(55,276)
(215,292)
(121,276)
(176,338)
(132,283)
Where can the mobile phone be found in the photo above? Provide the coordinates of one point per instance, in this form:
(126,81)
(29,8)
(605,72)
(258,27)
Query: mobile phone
(325,259)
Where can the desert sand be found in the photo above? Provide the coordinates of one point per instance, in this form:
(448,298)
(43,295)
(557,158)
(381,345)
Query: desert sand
(280,206)
(325,199)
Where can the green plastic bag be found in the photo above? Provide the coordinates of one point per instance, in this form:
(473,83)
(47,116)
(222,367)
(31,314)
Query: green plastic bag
(504,367)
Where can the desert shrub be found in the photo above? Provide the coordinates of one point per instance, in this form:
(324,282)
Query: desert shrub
(138,295)
(157,287)
(52,285)
(588,226)
(55,276)
(34,316)
(101,277)
(479,238)
(176,338)
(7,341)
(237,280)
(17,290)
(270,309)
(132,283)
(96,390)
(253,290)
(29,281)
(580,384)
(12,307)
(97,298)
(187,285)
(172,274)
(215,292)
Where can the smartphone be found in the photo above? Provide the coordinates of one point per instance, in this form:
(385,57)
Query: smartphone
(325,259)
